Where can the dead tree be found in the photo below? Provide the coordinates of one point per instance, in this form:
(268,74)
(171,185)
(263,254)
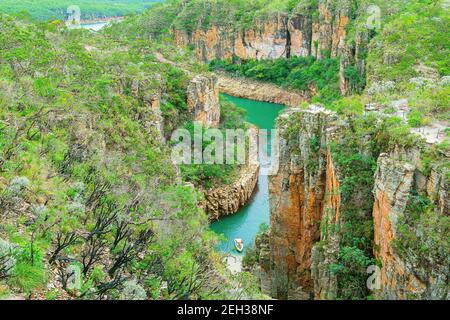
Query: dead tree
(63,241)
(115,283)
(93,253)
(64,272)
(130,251)
(5,266)
(122,232)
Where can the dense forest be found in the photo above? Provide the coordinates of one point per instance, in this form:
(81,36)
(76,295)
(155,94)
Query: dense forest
(90,10)
(85,177)
(88,189)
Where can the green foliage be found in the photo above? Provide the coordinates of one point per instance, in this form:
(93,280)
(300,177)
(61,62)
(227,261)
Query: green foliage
(356,81)
(393,132)
(356,182)
(412,36)
(351,272)
(415,119)
(94,183)
(349,106)
(238,13)
(431,101)
(29,273)
(28,278)
(57,9)
(300,73)
(210,175)
(424,232)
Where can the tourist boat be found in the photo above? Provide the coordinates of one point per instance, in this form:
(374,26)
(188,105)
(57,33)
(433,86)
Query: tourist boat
(239,244)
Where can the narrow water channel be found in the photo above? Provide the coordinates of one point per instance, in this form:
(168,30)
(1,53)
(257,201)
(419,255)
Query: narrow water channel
(94,26)
(246,223)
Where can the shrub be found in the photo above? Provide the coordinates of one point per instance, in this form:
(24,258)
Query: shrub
(381,87)
(423,235)
(18,184)
(298,73)
(351,272)
(133,291)
(415,119)
(27,277)
(7,259)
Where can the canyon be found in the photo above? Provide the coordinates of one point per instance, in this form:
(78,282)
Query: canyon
(359,208)
(296,255)
(305,203)
(259,91)
(301,34)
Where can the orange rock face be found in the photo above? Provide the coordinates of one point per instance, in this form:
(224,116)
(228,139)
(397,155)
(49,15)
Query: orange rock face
(227,200)
(279,36)
(302,196)
(402,277)
(203,100)
(332,194)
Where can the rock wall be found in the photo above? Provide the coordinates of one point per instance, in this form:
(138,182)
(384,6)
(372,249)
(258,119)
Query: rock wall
(320,32)
(245,88)
(304,197)
(403,276)
(203,100)
(228,199)
(276,36)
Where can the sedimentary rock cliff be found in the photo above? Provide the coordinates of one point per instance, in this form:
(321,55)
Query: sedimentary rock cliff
(305,241)
(276,36)
(203,100)
(407,274)
(304,196)
(228,199)
(318,30)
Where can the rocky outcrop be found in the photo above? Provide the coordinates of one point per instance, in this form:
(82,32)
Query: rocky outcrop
(150,116)
(438,190)
(268,40)
(276,36)
(245,88)
(405,275)
(227,200)
(203,100)
(318,31)
(304,200)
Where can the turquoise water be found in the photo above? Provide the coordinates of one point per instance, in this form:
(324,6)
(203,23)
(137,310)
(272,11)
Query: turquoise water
(245,224)
(94,26)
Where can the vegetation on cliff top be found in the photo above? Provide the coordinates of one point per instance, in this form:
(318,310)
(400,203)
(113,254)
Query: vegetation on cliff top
(86,185)
(57,9)
(300,73)
(208,176)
